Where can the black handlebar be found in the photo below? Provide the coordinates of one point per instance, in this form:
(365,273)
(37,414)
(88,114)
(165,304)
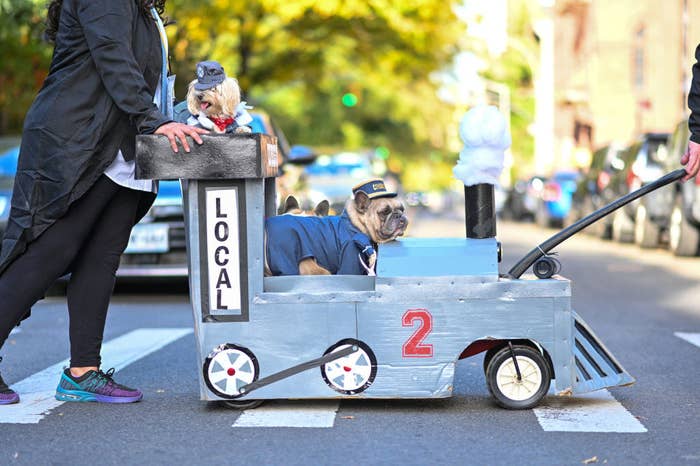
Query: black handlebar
(518,269)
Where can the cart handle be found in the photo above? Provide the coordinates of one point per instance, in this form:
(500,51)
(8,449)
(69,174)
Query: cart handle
(519,268)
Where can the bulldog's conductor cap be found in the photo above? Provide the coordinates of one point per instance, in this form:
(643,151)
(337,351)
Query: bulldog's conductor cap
(209,74)
(373,188)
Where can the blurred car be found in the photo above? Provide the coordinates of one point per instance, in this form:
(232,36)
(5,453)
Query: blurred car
(522,199)
(555,198)
(642,163)
(157,246)
(332,177)
(8,168)
(681,223)
(593,190)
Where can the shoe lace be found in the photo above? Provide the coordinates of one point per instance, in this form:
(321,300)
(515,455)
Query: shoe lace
(107,379)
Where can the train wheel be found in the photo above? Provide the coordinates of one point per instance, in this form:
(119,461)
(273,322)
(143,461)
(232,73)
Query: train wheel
(242,404)
(228,368)
(353,373)
(521,388)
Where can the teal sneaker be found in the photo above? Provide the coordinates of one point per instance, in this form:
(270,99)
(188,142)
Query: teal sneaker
(95,386)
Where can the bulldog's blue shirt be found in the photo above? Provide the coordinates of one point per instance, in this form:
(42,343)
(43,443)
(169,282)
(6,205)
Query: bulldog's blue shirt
(333,241)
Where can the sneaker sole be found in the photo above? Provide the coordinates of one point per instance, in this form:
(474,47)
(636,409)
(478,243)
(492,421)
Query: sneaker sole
(11,401)
(87,397)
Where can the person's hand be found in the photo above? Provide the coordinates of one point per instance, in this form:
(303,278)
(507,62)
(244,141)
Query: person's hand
(691,160)
(179,131)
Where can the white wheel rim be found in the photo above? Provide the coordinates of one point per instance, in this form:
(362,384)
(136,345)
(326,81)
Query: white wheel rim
(674,230)
(349,372)
(229,370)
(527,386)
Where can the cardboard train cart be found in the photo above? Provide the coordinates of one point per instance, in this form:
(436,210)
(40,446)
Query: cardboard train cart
(398,334)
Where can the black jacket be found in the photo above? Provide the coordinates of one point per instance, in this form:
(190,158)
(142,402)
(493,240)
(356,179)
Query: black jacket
(97,96)
(694,100)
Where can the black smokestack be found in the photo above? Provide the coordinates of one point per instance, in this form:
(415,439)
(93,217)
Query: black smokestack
(480,211)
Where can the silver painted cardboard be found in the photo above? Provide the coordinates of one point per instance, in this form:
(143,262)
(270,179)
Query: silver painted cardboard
(291,320)
(221,156)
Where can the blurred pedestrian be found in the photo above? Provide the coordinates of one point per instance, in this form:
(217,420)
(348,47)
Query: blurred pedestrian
(691,158)
(75,196)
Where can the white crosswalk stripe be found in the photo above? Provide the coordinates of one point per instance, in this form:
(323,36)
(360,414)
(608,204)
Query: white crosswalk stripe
(693,338)
(592,412)
(37,391)
(309,414)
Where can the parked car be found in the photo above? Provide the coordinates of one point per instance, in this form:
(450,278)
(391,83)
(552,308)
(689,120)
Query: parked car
(522,199)
(593,189)
(8,167)
(332,177)
(676,220)
(642,162)
(555,198)
(157,246)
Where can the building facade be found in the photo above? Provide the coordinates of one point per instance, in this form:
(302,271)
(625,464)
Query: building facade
(609,71)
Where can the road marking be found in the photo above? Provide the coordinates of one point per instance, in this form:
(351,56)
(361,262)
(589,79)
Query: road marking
(592,412)
(693,338)
(290,414)
(37,391)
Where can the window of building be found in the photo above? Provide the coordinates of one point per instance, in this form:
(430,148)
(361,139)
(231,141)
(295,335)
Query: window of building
(638,52)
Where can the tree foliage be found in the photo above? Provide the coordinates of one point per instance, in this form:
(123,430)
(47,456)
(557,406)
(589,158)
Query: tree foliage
(24,61)
(294,58)
(297,58)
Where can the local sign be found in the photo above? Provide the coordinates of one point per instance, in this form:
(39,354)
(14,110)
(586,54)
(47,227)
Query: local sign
(223,255)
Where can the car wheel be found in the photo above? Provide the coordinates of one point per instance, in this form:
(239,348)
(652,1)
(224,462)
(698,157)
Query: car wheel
(511,391)
(542,218)
(683,238)
(622,228)
(596,229)
(646,232)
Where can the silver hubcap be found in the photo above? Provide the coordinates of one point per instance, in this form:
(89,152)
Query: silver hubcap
(640,220)
(230,370)
(674,231)
(350,372)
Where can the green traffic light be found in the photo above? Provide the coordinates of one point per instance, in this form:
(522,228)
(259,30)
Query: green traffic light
(382,152)
(349,99)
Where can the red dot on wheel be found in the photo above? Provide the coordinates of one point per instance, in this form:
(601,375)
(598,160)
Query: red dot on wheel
(231,371)
(347,369)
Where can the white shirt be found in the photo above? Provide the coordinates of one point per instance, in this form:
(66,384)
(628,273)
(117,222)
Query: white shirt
(124,173)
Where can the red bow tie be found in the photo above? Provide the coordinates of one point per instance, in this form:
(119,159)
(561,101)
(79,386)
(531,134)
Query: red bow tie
(222,123)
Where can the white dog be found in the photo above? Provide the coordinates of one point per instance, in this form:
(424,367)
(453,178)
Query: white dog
(214,101)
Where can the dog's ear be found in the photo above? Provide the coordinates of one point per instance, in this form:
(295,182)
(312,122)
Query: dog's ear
(290,203)
(192,103)
(362,201)
(322,208)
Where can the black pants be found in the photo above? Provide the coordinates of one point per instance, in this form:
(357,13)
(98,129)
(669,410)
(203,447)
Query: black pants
(88,241)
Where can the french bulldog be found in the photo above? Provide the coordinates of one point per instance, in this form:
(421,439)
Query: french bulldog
(344,244)
(291,206)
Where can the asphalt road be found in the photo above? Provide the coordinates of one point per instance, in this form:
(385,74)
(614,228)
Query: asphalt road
(636,302)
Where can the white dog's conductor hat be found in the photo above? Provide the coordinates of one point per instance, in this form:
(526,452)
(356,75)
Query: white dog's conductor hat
(209,74)
(373,188)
